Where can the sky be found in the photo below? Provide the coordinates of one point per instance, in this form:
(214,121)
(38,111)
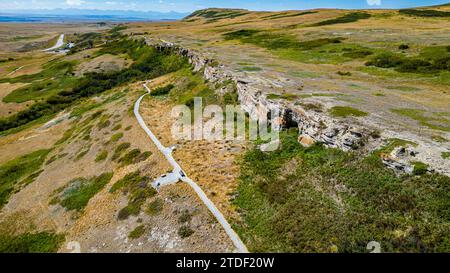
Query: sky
(191,5)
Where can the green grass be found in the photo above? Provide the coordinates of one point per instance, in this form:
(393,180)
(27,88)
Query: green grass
(40,90)
(79,191)
(15,171)
(185,231)
(161,91)
(116,137)
(347,18)
(134,156)
(433,121)
(101,156)
(137,232)
(155,207)
(185,217)
(392,143)
(425,13)
(329,200)
(148,63)
(120,149)
(346,111)
(287,15)
(286,96)
(43,242)
(445,155)
(420,168)
(189,85)
(137,189)
(304,74)
(251,68)
(404,88)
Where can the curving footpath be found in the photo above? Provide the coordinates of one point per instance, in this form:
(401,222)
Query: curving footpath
(178,171)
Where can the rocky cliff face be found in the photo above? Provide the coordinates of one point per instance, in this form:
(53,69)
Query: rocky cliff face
(314,126)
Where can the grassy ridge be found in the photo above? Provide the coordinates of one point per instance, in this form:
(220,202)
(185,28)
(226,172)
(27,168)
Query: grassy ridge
(148,63)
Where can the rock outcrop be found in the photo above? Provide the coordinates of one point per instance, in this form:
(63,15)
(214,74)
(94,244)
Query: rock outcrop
(314,126)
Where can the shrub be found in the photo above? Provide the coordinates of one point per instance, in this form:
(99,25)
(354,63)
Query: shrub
(344,73)
(137,232)
(185,231)
(130,157)
(357,54)
(160,91)
(155,207)
(386,60)
(83,190)
(116,137)
(43,242)
(185,216)
(420,168)
(101,156)
(120,149)
(137,189)
(415,65)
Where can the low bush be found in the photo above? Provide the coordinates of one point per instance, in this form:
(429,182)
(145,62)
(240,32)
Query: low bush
(137,232)
(185,231)
(155,207)
(79,191)
(160,91)
(101,156)
(347,18)
(43,242)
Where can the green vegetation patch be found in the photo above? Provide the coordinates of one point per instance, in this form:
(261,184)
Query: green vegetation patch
(430,60)
(287,15)
(14,172)
(445,155)
(137,232)
(134,156)
(137,189)
(78,192)
(251,68)
(116,137)
(43,242)
(424,12)
(215,15)
(436,121)
(161,91)
(347,18)
(101,156)
(120,149)
(315,199)
(185,231)
(345,111)
(404,88)
(155,207)
(286,96)
(148,63)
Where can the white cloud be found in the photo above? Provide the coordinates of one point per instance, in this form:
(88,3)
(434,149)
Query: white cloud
(75,2)
(374,2)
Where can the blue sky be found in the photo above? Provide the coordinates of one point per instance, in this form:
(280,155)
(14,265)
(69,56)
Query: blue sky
(191,5)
